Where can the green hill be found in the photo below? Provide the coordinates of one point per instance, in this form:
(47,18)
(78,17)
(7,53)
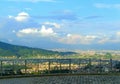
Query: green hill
(8,50)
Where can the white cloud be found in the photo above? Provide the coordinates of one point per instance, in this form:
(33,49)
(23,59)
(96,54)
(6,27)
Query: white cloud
(89,39)
(29,31)
(47,32)
(23,16)
(73,39)
(9,16)
(52,24)
(69,35)
(25,32)
(103,40)
(115,38)
(77,39)
(43,31)
(118,34)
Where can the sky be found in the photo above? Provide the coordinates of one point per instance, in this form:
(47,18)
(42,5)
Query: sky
(56,24)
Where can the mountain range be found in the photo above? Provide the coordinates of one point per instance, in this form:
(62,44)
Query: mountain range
(8,50)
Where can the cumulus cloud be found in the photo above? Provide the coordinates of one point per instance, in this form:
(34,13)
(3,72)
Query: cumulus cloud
(52,24)
(23,16)
(89,39)
(43,31)
(29,31)
(77,39)
(115,38)
(47,32)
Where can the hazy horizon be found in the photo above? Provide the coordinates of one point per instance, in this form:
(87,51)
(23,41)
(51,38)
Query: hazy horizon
(57,24)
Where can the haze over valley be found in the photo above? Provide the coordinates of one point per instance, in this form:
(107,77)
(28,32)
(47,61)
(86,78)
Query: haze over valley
(59,24)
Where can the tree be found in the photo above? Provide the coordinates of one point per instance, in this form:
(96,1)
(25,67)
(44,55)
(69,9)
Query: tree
(108,56)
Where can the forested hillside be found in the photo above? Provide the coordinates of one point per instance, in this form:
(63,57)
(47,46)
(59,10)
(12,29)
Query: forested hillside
(23,51)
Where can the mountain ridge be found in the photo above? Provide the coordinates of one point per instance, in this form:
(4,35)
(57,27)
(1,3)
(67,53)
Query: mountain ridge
(7,49)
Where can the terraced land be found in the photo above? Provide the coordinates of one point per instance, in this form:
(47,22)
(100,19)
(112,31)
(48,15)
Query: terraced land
(74,79)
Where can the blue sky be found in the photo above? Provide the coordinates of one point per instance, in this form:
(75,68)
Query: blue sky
(48,24)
